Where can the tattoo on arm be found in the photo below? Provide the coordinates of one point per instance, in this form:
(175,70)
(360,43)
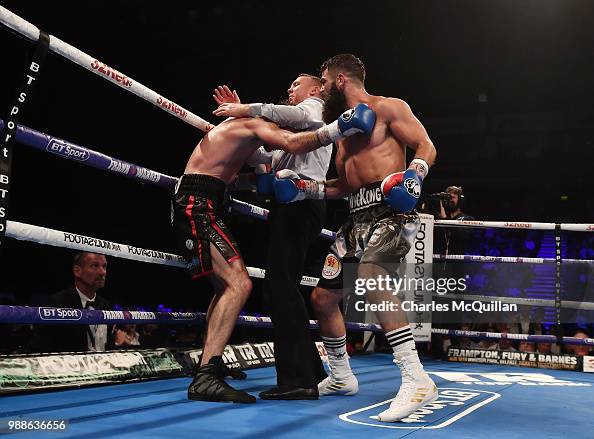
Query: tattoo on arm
(323,137)
(303,142)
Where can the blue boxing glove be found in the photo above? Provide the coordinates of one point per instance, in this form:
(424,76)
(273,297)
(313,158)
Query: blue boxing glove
(264,183)
(402,190)
(360,119)
(289,187)
(264,179)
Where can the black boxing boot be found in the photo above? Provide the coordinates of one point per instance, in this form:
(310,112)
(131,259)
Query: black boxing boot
(208,385)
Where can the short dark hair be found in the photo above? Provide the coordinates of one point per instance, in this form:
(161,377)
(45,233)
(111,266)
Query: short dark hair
(345,63)
(316,79)
(79,258)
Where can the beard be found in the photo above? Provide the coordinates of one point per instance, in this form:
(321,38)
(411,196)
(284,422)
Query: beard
(334,104)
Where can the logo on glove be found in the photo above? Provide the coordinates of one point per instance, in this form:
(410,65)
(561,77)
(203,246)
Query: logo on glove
(189,244)
(347,115)
(412,187)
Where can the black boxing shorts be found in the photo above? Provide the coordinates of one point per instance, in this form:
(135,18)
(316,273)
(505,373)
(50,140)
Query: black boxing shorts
(198,212)
(372,233)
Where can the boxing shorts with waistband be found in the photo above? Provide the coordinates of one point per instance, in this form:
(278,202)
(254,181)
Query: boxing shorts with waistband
(199,211)
(373,233)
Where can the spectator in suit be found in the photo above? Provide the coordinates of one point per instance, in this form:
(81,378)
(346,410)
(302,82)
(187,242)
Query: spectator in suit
(89,271)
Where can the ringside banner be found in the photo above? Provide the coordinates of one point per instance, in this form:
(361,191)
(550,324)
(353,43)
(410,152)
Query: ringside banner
(54,371)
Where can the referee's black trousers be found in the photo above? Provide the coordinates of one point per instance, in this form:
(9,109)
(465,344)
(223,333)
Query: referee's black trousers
(293,228)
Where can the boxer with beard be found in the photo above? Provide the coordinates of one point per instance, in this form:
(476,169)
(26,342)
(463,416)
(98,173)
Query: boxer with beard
(335,104)
(379,230)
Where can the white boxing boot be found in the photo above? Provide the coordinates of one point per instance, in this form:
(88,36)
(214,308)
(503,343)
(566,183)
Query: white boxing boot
(338,385)
(417,389)
(341,380)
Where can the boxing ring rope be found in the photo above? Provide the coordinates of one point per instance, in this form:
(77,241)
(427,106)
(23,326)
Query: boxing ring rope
(31,32)
(45,315)
(57,238)
(516,225)
(507,259)
(71,151)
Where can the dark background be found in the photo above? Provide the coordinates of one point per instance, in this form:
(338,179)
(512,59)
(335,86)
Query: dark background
(503,87)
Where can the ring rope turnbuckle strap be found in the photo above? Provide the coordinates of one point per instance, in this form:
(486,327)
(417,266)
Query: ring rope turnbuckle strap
(32,71)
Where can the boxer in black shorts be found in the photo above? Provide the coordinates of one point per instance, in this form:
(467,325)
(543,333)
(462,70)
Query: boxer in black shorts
(199,209)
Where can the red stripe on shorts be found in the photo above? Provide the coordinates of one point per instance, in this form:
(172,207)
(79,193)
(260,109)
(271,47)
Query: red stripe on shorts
(189,208)
(218,229)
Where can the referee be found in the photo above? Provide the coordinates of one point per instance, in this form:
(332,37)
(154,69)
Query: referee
(293,228)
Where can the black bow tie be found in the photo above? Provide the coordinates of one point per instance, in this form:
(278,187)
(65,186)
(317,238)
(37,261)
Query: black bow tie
(90,303)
